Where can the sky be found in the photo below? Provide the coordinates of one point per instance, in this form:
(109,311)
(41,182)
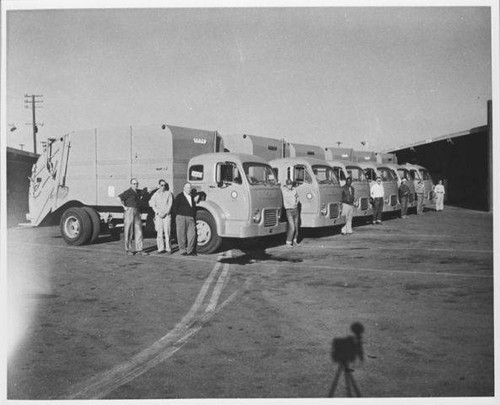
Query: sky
(388,76)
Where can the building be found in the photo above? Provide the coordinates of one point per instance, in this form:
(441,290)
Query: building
(463,160)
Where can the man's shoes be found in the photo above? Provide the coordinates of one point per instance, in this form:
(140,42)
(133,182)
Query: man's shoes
(192,254)
(184,254)
(297,244)
(374,222)
(160,252)
(379,222)
(143,253)
(289,245)
(130,253)
(168,252)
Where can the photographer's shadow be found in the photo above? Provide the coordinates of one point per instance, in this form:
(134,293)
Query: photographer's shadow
(344,352)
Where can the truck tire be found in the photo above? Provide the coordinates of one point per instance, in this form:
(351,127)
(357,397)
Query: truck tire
(76,226)
(96,223)
(208,241)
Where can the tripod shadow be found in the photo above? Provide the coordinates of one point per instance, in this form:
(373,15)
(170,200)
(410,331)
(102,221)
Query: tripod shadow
(345,351)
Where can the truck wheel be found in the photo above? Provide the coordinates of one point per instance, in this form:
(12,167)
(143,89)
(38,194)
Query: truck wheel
(76,226)
(96,223)
(208,241)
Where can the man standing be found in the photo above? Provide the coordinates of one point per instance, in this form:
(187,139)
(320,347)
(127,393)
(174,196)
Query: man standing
(439,191)
(131,200)
(347,205)
(185,221)
(161,203)
(290,203)
(420,191)
(404,195)
(377,194)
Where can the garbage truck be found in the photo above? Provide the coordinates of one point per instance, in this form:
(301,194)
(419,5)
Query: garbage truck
(340,159)
(318,188)
(78,177)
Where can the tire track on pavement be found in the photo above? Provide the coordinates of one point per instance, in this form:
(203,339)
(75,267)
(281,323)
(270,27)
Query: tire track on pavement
(106,382)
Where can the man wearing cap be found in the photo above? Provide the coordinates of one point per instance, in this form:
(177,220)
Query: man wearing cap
(291,202)
(347,205)
(377,194)
(404,195)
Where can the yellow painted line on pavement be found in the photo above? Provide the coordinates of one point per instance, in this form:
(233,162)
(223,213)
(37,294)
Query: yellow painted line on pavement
(106,382)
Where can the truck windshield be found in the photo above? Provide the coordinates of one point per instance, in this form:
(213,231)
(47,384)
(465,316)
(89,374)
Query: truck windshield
(324,174)
(425,175)
(387,174)
(356,173)
(413,175)
(259,173)
(404,174)
(370,174)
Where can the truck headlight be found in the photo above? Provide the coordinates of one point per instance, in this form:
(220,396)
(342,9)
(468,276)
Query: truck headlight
(324,210)
(234,194)
(309,196)
(386,200)
(257,216)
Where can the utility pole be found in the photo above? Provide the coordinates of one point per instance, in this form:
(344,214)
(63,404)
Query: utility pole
(34,124)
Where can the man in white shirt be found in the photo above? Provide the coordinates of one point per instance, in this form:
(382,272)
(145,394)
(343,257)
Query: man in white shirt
(439,191)
(161,202)
(377,193)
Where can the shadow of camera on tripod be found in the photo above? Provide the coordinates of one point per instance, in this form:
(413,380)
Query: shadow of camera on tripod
(344,352)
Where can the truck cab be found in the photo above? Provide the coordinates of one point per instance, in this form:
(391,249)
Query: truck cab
(401,172)
(416,173)
(319,191)
(389,181)
(240,198)
(360,183)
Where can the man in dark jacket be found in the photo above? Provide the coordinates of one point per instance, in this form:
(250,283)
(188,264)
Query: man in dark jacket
(404,195)
(131,200)
(185,221)
(347,205)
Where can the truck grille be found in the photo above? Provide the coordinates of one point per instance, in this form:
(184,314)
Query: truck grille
(363,204)
(334,210)
(270,217)
(394,200)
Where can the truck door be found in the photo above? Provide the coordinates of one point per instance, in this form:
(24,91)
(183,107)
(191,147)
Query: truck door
(306,189)
(229,192)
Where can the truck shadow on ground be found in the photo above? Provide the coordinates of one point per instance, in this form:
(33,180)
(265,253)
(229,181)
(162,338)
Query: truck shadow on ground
(255,256)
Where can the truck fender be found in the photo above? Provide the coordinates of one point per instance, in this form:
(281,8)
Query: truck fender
(217,214)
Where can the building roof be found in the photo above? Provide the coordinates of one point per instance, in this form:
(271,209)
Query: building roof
(439,138)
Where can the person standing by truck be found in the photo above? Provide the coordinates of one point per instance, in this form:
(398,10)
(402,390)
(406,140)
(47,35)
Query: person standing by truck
(131,200)
(420,191)
(291,203)
(185,220)
(404,195)
(347,205)
(161,203)
(439,191)
(377,195)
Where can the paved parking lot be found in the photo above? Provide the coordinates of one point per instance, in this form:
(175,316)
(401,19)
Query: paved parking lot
(90,322)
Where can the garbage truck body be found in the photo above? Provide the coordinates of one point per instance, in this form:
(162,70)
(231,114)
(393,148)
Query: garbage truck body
(78,177)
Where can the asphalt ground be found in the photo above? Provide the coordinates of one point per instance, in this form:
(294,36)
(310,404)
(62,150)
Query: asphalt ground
(92,323)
